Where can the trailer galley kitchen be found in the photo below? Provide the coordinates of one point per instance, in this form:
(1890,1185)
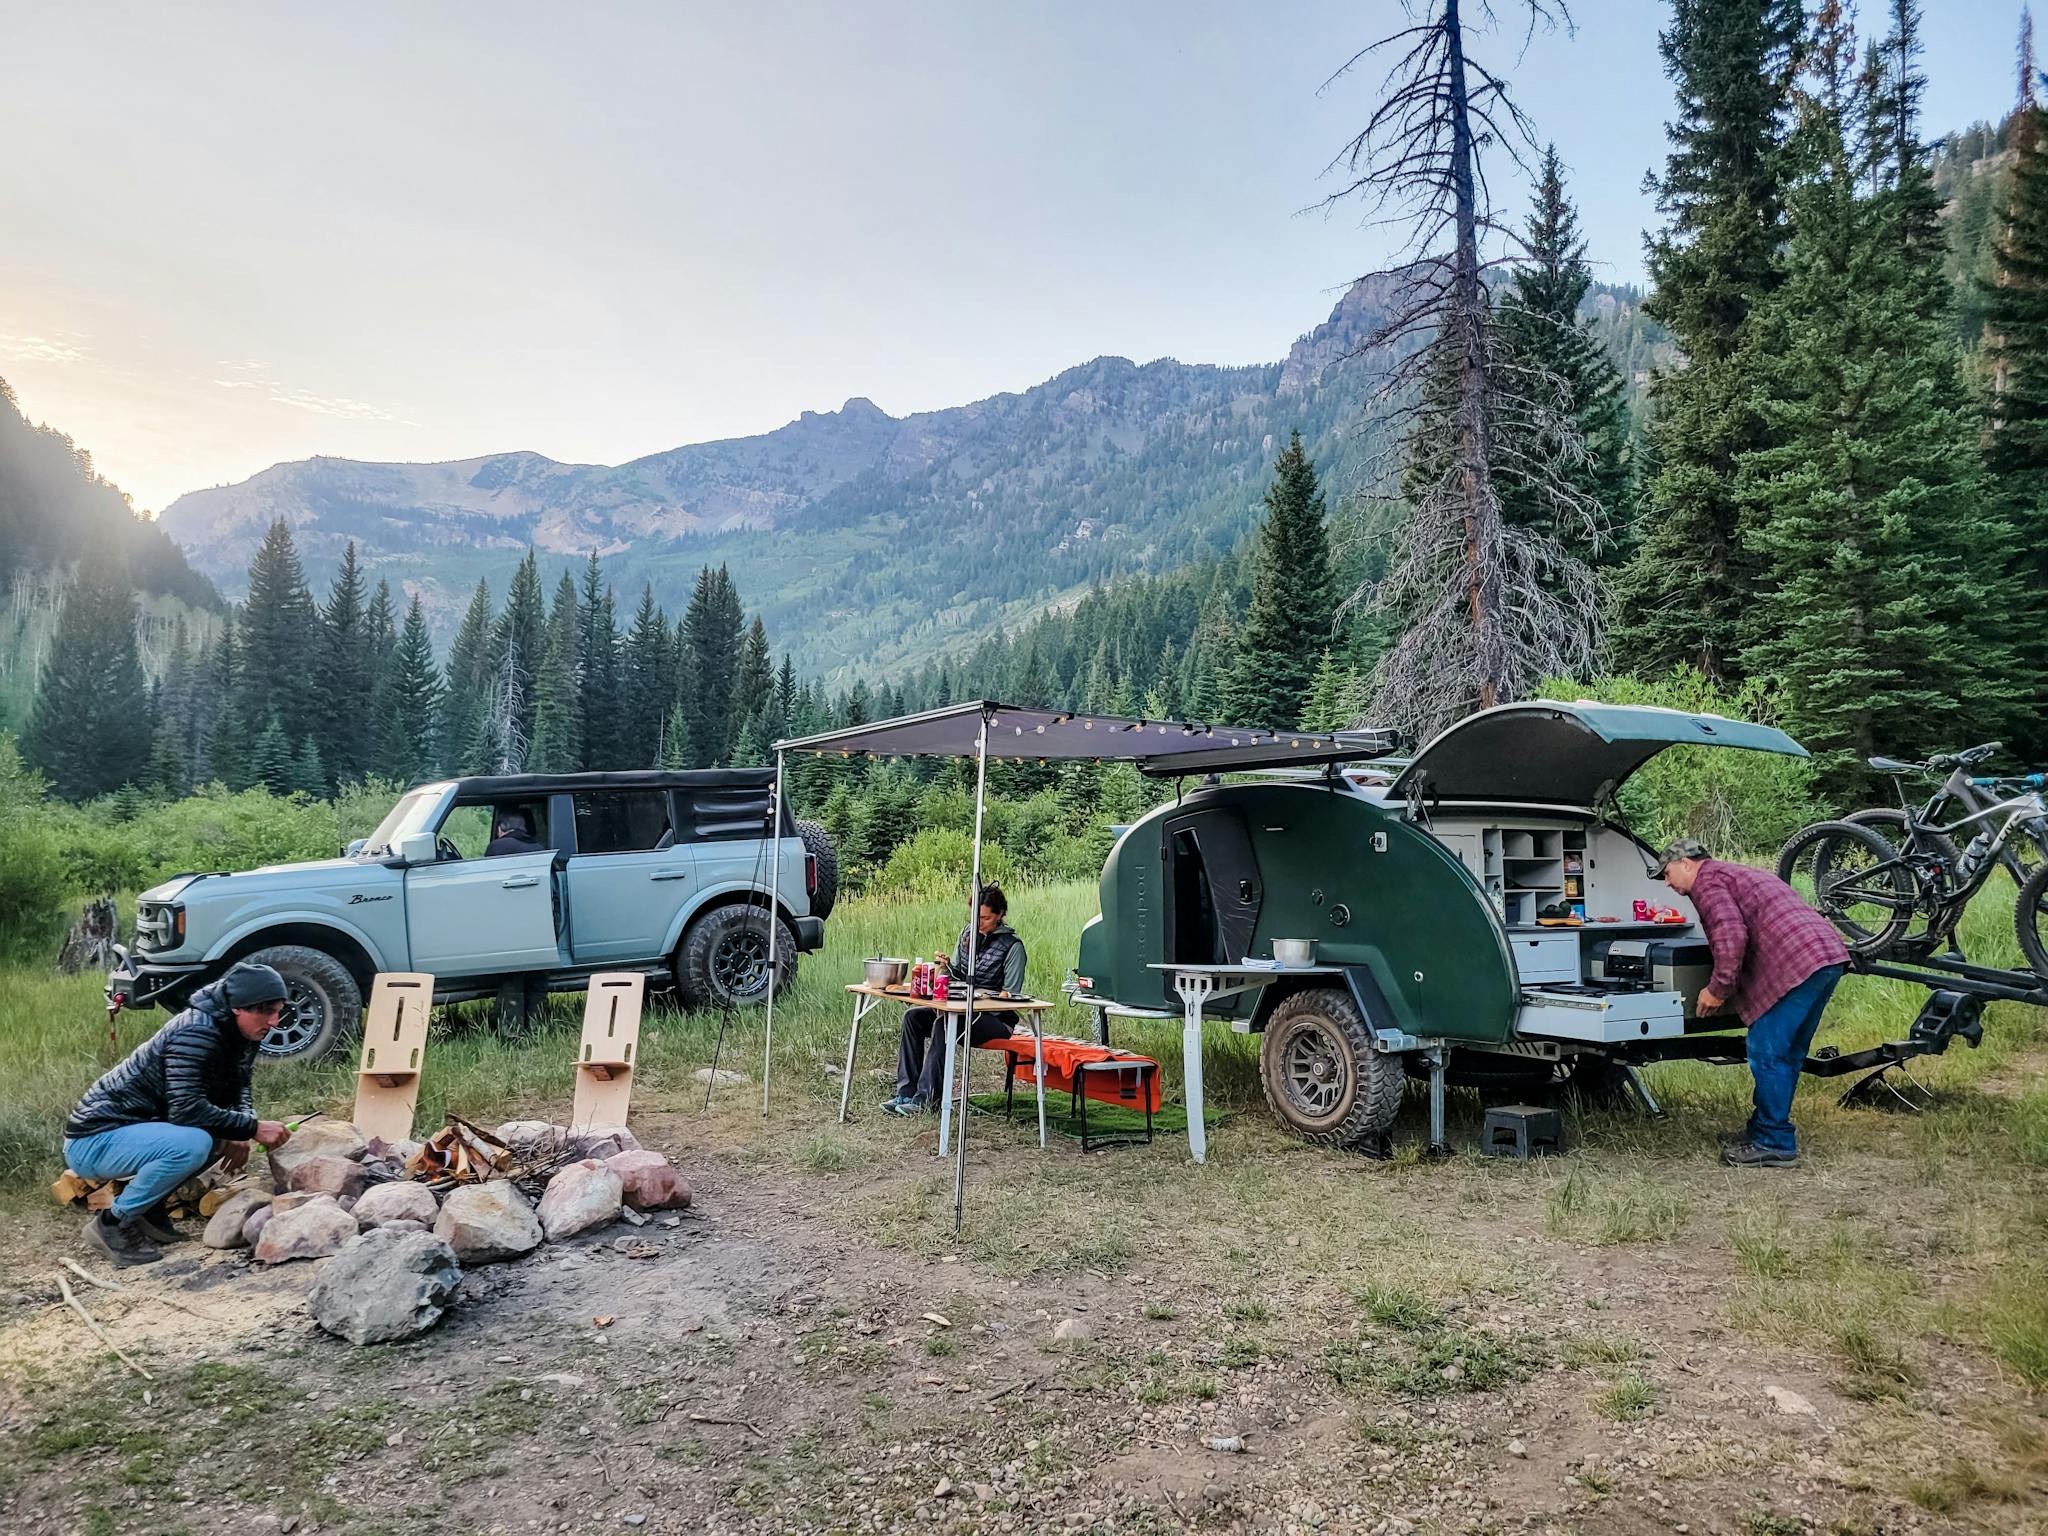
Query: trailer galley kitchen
(1474,908)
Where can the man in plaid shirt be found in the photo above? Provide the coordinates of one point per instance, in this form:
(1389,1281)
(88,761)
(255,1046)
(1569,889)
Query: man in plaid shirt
(1777,960)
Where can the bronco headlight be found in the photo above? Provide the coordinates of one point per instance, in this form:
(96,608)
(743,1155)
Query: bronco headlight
(159,925)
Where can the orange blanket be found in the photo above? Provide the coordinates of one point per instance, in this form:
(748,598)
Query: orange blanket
(1063,1054)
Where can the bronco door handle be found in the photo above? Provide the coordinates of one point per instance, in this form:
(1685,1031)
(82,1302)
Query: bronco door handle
(520,882)
(670,874)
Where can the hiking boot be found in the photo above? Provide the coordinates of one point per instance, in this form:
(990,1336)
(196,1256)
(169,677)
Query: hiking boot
(1747,1154)
(123,1242)
(155,1224)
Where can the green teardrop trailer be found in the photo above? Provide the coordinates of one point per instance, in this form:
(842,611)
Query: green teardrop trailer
(1421,887)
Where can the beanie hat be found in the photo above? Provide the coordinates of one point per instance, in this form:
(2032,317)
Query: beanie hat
(248,985)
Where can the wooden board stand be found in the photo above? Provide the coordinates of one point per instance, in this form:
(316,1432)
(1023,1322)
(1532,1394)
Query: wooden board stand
(394,1044)
(611,1039)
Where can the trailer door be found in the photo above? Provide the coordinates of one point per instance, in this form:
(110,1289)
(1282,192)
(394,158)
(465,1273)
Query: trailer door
(1213,892)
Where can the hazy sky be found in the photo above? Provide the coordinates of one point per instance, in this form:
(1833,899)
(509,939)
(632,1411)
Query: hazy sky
(231,235)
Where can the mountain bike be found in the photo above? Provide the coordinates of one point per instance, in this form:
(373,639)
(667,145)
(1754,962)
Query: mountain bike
(1872,891)
(2019,858)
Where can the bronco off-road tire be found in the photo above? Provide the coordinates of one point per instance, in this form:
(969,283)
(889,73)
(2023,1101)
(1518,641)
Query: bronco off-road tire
(723,959)
(1322,1076)
(819,845)
(324,1008)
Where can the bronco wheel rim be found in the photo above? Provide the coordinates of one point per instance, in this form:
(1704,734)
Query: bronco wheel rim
(1316,1071)
(739,963)
(305,1010)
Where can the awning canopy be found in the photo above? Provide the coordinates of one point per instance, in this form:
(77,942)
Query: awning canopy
(1159,747)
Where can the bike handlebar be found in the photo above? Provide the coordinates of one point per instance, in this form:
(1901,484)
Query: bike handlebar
(2021,781)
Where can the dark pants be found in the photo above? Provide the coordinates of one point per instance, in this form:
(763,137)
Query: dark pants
(1778,1042)
(921,1052)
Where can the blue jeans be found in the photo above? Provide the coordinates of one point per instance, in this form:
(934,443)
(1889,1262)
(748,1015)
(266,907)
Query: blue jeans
(1778,1042)
(155,1157)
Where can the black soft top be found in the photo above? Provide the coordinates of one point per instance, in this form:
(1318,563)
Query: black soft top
(514,785)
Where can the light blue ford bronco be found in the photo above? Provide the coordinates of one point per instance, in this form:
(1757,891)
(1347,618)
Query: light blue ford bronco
(507,887)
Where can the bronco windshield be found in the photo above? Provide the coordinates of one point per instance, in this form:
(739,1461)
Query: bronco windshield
(408,816)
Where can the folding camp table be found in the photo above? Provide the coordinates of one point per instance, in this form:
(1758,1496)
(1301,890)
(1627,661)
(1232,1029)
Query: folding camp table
(1199,985)
(866,998)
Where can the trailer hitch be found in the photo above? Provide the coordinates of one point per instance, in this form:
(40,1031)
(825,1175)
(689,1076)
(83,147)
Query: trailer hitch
(1944,1017)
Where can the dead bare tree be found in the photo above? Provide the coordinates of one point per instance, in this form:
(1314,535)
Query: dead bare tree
(1483,609)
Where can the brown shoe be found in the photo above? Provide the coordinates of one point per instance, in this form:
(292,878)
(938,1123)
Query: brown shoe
(123,1242)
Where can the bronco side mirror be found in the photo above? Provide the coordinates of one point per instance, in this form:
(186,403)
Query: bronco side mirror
(354,848)
(416,848)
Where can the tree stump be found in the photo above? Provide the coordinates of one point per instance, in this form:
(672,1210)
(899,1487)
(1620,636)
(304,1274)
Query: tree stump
(89,946)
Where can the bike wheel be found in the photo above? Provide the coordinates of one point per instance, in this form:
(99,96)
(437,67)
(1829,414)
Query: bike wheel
(1922,850)
(1860,884)
(2030,921)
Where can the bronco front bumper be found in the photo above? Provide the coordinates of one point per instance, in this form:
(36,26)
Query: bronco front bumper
(136,983)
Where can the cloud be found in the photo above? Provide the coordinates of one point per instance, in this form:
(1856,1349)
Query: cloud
(41,349)
(338,406)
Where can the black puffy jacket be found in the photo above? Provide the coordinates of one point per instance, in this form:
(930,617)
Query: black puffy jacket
(194,1071)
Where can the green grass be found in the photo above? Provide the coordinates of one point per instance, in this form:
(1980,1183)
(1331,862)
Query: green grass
(1627,1399)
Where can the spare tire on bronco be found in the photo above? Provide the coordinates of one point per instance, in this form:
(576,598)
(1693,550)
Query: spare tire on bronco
(818,844)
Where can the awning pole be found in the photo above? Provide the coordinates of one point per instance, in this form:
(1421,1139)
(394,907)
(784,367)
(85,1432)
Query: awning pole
(973,955)
(774,922)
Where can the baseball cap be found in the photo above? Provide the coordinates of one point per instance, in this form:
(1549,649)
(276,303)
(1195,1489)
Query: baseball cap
(1678,848)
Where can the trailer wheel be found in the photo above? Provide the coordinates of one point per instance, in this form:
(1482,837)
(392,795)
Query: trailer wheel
(1322,1076)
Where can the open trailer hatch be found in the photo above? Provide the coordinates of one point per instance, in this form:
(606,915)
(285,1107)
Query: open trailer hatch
(1554,753)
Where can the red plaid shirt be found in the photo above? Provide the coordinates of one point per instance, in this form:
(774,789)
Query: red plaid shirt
(1765,939)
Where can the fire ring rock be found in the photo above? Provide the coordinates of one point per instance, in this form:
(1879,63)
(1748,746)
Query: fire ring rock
(484,1223)
(327,1174)
(582,1196)
(385,1285)
(316,1138)
(315,1230)
(651,1182)
(224,1226)
(398,1201)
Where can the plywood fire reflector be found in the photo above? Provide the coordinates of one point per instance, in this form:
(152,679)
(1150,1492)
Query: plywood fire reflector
(610,1045)
(394,1044)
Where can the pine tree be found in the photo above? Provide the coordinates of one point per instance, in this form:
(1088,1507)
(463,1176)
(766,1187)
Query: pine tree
(380,627)
(270,763)
(410,727)
(2016,355)
(517,642)
(755,681)
(555,745)
(709,655)
(1683,595)
(1292,601)
(1880,622)
(676,750)
(645,686)
(597,695)
(89,729)
(226,738)
(281,640)
(1578,417)
(347,734)
(784,704)
(469,682)
(308,774)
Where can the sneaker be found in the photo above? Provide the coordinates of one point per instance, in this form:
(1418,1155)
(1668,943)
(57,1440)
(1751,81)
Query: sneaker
(902,1104)
(155,1224)
(122,1242)
(1747,1154)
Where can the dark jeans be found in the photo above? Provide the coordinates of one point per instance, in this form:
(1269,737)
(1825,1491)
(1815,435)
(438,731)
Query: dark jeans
(1778,1042)
(921,1052)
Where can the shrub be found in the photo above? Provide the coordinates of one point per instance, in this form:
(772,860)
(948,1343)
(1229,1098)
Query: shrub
(938,862)
(32,884)
(1734,802)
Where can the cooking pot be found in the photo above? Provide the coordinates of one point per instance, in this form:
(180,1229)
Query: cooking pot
(1295,951)
(886,973)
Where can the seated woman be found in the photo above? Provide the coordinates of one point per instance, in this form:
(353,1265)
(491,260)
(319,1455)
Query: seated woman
(998,967)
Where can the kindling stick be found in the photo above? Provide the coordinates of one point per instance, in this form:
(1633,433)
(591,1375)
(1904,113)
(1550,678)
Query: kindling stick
(98,1332)
(121,1290)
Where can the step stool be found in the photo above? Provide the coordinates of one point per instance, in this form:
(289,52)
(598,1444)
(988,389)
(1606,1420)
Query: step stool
(1521,1131)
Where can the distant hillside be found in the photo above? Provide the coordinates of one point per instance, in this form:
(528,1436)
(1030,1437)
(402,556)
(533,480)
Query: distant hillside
(868,542)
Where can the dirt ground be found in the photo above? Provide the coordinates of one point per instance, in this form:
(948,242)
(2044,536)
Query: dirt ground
(1282,1341)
